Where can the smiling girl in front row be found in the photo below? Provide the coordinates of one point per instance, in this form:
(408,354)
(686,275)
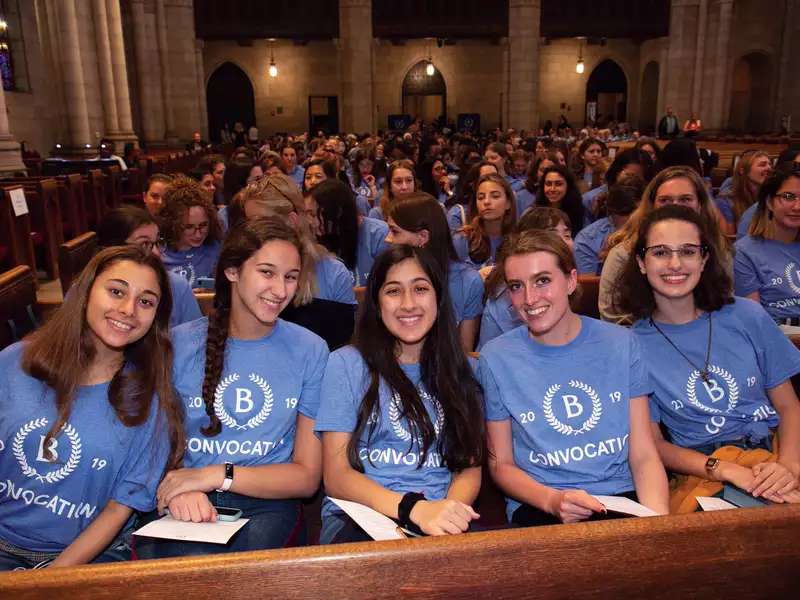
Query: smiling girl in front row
(400,410)
(87,414)
(720,366)
(566,398)
(250,382)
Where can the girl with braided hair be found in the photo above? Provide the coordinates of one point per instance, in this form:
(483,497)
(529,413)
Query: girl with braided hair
(250,383)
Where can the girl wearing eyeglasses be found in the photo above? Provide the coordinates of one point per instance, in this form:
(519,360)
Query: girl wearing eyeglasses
(674,185)
(192,231)
(767,263)
(720,366)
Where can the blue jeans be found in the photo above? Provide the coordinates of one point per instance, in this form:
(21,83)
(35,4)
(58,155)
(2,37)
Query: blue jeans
(118,550)
(273,524)
(338,528)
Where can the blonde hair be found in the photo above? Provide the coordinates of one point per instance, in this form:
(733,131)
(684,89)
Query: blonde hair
(741,194)
(627,233)
(278,195)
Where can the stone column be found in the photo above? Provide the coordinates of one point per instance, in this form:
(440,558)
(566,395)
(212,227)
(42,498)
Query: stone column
(163,60)
(201,90)
(10,155)
(147,72)
(355,60)
(104,68)
(72,73)
(699,58)
(681,56)
(787,103)
(524,18)
(717,119)
(120,70)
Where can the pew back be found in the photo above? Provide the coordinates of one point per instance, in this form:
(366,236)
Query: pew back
(15,233)
(73,257)
(19,311)
(724,554)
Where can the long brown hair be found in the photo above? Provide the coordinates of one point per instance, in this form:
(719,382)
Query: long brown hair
(243,240)
(742,195)
(477,239)
(61,351)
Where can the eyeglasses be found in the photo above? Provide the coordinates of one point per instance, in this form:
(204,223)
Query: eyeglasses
(686,252)
(199,228)
(148,245)
(787,197)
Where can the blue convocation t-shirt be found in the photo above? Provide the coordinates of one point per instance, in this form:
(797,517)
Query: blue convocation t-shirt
(45,505)
(392,456)
(193,263)
(184,304)
(362,199)
(749,355)
(524,200)
(371,242)
(375,212)
(569,405)
(466,291)
(725,207)
(456,217)
(772,269)
(334,281)
(589,199)
(745,220)
(298,175)
(264,384)
(499,317)
(461,244)
(588,244)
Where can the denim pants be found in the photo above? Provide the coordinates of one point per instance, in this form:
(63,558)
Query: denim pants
(338,528)
(273,524)
(19,559)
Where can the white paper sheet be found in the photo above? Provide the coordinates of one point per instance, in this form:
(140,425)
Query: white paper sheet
(18,202)
(626,506)
(378,526)
(171,529)
(714,503)
(790,329)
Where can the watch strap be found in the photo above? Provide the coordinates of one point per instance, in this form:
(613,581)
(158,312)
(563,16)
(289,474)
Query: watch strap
(228,481)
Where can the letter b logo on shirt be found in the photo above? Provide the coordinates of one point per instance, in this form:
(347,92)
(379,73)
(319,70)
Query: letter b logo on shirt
(572,407)
(244,400)
(715,392)
(52,445)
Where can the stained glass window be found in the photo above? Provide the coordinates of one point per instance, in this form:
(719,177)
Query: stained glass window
(6,67)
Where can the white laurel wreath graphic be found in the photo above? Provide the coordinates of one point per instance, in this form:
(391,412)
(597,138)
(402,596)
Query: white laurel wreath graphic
(186,271)
(394,415)
(565,428)
(788,273)
(227,419)
(733,390)
(266,409)
(17,447)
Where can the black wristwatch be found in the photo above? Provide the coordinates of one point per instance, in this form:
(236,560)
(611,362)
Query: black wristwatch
(404,510)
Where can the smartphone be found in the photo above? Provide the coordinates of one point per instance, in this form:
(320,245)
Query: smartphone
(228,514)
(206,283)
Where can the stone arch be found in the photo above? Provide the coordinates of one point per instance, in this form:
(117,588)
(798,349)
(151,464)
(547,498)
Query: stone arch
(607,85)
(648,99)
(424,95)
(229,98)
(751,93)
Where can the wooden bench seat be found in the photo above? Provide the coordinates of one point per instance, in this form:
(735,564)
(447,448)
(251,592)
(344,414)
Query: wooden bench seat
(15,234)
(19,310)
(750,553)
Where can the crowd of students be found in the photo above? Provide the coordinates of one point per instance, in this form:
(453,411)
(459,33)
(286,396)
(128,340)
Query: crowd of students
(128,403)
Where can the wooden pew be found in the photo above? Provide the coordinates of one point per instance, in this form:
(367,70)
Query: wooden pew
(94,197)
(751,553)
(73,256)
(587,303)
(15,233)
(112,185)
(19,311)
(205,299)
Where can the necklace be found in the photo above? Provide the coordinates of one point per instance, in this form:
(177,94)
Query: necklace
(704,371)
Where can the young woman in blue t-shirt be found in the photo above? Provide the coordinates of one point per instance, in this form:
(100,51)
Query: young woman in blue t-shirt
(566,398)
(720,366)
(88,417)
(420,221)
(250,384)
(398,408)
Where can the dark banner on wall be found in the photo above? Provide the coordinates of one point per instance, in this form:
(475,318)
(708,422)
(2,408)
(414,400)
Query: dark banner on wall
(400,121)
(469,122)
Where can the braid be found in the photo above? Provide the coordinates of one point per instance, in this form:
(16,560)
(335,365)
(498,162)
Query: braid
(215,360)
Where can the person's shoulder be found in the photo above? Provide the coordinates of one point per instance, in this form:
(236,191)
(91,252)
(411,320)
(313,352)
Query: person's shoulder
(745,310)
(373,226)
(186,337)
(599,227)
(11,357)
(748,243)
(347,355)
(499,346)
(604,330)
(298,336)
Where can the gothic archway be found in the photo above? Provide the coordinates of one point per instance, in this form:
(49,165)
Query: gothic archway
(607,87)
(230,98)
(750,94)
(648,105)
(424,95)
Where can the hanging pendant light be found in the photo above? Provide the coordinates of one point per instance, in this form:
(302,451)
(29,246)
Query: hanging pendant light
(580,67)
(429,68)
(273,69)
